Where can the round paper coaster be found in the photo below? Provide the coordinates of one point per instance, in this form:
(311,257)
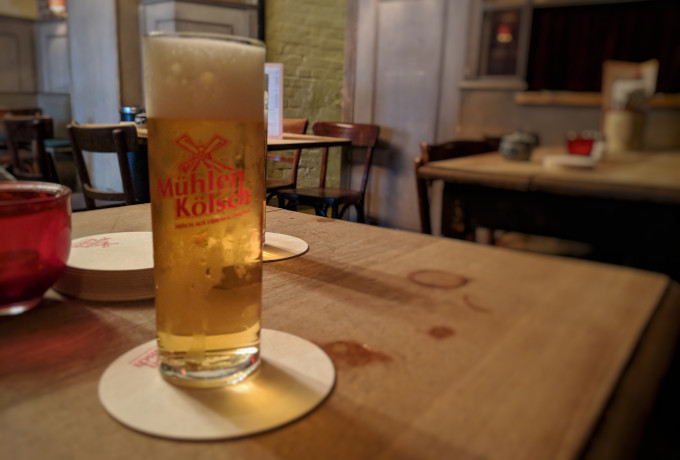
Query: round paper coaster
(112,251)
(280,247)
(295,377)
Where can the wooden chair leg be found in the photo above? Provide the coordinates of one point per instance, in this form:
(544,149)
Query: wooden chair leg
(492,237)
(321,210)
(424,197)
(342,211)
(290,204)
(360,213)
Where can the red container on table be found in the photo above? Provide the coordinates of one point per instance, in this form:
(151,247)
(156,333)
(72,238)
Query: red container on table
(581,143)
(35,241)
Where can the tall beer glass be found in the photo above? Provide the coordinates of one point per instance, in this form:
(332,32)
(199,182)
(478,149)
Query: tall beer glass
(206,148)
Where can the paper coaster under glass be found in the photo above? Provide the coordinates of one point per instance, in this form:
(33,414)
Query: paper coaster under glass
(278,246)
(294,378)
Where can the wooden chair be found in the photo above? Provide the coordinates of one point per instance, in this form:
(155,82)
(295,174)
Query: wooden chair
(104,139)
(363,136)
(26,145)
(5,159)
(28,111)
(53,146)
(4,112)
(435,152)
(294,126)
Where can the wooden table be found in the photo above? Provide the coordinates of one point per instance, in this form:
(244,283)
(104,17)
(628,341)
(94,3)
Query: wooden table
(140,168)
(289,141)
(304,141)
(627,206)
(443,349)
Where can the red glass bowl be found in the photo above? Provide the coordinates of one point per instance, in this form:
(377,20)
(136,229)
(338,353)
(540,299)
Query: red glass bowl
(582,142)
(580,146)
(35,241)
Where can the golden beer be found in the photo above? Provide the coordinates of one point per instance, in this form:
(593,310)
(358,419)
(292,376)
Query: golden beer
(206,166)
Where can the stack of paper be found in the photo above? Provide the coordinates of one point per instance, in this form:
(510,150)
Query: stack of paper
(110,267)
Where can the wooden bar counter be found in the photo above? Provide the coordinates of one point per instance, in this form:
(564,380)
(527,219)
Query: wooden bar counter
(443,349)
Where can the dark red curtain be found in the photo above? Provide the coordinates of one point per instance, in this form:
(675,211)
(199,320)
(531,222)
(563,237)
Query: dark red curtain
(569,44)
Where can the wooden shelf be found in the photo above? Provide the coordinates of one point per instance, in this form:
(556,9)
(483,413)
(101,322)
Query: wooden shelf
(567,98)
(666,101)
(586,99)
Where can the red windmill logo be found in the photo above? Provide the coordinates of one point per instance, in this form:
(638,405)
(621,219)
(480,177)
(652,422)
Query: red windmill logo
(201,153)
(95,243)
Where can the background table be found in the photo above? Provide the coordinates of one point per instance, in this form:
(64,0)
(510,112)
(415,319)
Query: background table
(443,349)
(140,167)
(627,207)
(289,141)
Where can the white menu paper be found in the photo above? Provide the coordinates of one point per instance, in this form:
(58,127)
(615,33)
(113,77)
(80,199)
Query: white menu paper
(274,73)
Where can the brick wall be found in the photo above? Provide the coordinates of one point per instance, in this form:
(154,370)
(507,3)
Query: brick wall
(307,36)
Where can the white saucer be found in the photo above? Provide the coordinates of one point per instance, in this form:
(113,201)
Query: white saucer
(294,378)
(281,247)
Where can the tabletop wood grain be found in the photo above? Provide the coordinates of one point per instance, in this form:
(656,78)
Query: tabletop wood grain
(443,349)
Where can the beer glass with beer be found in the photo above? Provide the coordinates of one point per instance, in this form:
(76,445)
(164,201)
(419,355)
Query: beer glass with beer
(206,146)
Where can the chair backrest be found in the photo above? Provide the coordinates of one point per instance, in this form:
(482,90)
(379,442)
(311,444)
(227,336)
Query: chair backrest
(436,152)
(292,126)
(362,136)
(28,133)
(104,139)
(27,111)
(295,125)
(454,149)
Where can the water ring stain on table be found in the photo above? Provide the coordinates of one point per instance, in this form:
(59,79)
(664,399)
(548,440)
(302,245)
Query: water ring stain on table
(474,305)
(438,279)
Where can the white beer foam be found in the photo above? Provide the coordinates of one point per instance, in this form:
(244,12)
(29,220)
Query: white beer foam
(202,78)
